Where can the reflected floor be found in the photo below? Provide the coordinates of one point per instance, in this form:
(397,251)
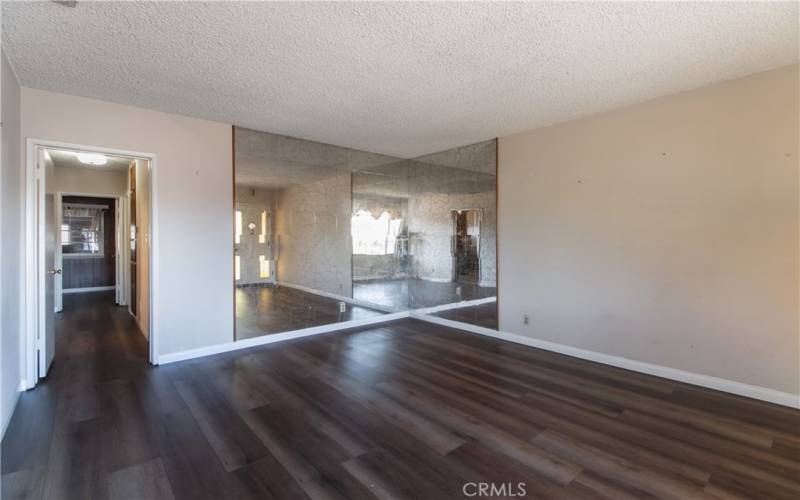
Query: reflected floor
(399,294)
(484,315)
(262,310)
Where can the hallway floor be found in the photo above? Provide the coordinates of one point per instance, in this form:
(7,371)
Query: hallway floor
(405,410)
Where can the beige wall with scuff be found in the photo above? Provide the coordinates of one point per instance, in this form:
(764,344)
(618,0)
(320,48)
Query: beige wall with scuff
(666,232)
(192,203)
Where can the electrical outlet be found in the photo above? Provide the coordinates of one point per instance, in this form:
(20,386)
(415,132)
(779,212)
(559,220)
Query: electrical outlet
(458,291)
(342,307)
(526,319)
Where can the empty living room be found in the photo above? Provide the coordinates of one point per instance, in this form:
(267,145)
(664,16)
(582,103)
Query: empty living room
(399,250)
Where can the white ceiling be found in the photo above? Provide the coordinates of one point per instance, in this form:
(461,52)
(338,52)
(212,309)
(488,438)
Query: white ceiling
(67,159)
(395,78)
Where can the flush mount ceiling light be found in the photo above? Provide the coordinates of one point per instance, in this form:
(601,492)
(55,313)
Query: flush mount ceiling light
(92,158)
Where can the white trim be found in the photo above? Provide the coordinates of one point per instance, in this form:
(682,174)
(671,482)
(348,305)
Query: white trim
(708,381)
(119,260)
(90,195)
(58,258)
(434,280)
(343,298)
(152,254)
(455,305)
(276,337)
(90,289)
(40,221)
(31,284)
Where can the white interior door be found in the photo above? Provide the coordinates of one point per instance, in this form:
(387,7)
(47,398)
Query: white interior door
(58,281)
(118,253)
(47,270)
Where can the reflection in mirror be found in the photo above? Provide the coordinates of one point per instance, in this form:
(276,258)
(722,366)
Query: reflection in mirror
(382,263)
(325,234)
(424,234)
(292,239)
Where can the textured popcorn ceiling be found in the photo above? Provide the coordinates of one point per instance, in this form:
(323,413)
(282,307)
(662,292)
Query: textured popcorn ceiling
(394,78)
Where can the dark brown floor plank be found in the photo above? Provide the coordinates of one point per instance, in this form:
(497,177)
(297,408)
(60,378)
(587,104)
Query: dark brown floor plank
(406,409)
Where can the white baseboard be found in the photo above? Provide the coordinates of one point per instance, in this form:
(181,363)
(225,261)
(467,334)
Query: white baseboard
(455,305)
(89,289)
(708,381)
(276,337)
(342,298)
(435,280)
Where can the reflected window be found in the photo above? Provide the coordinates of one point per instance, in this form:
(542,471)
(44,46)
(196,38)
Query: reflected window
(262,238)
(238,227)
(82,230)
(374,236)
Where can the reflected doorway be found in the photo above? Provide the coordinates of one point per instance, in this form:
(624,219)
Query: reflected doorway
(466,245)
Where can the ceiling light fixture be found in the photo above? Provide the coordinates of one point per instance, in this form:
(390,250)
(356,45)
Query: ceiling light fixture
(92,158)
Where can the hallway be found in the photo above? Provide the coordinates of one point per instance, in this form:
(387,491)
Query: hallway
(404,410)
(85,419)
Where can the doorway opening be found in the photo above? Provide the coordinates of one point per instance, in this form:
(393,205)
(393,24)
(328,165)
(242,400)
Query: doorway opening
(466,245)
(87,245)
(89,232)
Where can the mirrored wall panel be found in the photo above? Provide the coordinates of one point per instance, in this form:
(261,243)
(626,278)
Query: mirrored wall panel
(424,234)
(325,234)
(292,242)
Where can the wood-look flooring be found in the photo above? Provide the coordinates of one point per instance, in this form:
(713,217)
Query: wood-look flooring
(405,410)
(414,293)
(263,310)
(484,315)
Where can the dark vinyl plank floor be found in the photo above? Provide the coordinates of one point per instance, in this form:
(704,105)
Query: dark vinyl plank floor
(484,315)
(404,410)
(414,293)
(263,310)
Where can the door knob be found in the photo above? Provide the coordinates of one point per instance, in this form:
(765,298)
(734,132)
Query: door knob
(55,271)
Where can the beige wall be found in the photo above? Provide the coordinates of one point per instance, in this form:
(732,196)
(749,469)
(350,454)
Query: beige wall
(11,257)
(88,181)
(666,232)
(193,206)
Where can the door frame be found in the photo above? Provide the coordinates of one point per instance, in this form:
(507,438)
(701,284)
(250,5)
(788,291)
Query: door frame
(272,275)
(33,284)
(119,282)
(453,211)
